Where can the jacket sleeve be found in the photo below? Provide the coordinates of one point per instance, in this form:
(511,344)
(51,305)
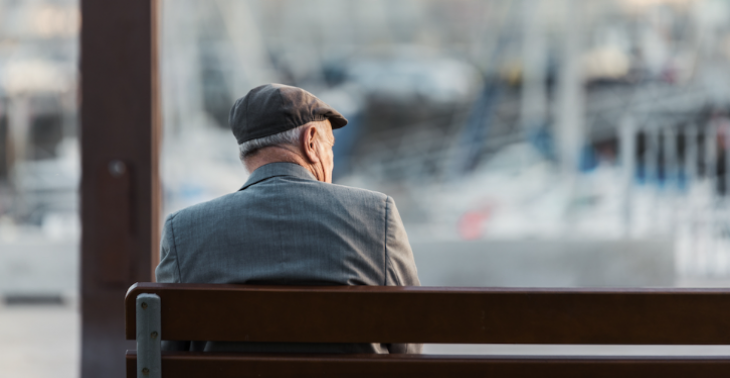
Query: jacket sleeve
(400,265)
(168,271)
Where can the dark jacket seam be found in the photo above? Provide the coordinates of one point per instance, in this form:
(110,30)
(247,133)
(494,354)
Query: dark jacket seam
(262,180)
(174,246)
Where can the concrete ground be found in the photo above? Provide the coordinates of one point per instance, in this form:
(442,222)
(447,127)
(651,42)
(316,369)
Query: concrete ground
(39,341)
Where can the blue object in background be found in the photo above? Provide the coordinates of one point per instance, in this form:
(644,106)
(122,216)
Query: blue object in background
(542,140)
(476,129)
(345,138)
(588,159)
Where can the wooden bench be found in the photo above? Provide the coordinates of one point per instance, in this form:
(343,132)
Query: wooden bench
(360,314)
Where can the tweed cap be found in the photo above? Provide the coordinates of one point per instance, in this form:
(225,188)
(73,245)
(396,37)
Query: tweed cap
(274,108)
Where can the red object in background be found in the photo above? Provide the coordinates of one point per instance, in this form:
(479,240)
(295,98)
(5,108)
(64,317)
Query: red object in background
(471,225)
(723,131)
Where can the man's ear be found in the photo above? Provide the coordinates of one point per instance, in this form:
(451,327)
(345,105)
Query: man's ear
(310,140)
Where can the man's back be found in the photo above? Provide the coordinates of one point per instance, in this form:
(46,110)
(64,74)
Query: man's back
(285,227)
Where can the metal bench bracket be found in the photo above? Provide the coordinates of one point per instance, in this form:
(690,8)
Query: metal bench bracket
(149,358)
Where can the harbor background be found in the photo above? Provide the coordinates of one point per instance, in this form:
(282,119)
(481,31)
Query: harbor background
(532,143)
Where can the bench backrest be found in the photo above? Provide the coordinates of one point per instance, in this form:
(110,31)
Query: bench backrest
(435,315)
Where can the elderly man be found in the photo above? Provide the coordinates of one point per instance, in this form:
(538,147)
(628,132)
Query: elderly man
(288,224)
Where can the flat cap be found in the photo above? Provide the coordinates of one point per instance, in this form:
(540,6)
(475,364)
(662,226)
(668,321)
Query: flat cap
(274,108)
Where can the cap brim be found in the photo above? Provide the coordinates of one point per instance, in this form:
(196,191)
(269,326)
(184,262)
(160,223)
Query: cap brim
(337,121)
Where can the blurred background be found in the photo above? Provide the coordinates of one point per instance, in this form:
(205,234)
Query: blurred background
(526,142)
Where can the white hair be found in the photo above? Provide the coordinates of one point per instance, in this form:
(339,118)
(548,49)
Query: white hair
(292,137)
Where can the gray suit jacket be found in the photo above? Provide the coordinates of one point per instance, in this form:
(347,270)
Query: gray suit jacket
(284,227)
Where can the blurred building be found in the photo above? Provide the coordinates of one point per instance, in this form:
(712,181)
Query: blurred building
(39,168)
(468,111)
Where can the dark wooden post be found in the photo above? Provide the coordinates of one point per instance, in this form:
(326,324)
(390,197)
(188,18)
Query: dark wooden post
(120,191)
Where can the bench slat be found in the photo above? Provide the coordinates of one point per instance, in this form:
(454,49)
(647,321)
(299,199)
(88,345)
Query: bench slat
(438,315)
(202,365)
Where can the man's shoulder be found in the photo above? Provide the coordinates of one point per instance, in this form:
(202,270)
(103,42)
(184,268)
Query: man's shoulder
(212,205)
(356,192)
(352,196)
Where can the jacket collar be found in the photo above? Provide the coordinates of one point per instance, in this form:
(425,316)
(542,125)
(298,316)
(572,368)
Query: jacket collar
(277,169)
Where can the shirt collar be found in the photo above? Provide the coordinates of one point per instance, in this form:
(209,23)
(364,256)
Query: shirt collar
(277,169)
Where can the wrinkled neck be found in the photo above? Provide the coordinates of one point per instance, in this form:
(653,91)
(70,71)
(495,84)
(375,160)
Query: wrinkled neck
(283,154)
